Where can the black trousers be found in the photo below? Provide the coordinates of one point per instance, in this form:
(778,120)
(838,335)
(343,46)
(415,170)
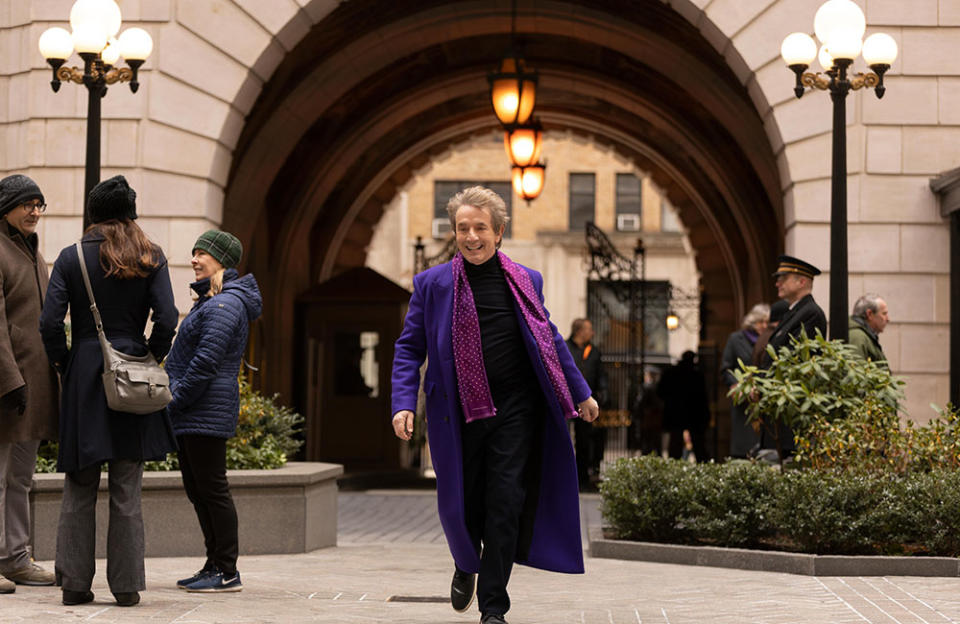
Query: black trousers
(495,477)
(203,465)
(588,444)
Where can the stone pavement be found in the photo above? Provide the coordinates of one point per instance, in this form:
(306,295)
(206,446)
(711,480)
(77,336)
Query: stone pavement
(391,562)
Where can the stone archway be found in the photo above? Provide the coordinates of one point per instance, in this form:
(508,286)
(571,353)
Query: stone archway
(373,90)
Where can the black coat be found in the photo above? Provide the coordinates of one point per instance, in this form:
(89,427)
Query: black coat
(591,367)
(90,432)
(806,315)
(738,347)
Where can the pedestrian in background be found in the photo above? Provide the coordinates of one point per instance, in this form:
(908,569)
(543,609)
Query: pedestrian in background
(777,309)
(686,406)
(588,437)
(203,366)
(500,385)
(739,348)
(869,319)
(129,277)
(28,384)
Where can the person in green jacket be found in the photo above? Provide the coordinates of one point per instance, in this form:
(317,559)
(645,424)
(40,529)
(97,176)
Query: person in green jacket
(869,319)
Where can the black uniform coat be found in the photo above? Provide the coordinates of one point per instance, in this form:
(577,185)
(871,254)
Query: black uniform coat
(90,432)
(805,315)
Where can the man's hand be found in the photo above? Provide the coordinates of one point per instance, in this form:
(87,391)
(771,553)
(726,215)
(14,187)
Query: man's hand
(403,424)
(589,410)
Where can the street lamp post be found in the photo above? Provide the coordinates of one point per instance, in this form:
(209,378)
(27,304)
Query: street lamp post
(839,25)
(95,24)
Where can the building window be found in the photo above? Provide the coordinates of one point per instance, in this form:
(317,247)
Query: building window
(628,204)
(669,220)
(443,190)
(583,192)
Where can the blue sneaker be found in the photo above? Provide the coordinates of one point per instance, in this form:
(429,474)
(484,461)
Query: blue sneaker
(199,574)
(216,582)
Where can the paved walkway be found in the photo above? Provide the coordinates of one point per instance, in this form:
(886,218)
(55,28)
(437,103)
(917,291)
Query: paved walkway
(391,566)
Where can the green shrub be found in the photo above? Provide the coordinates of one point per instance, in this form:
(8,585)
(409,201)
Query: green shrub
(815,381)
(647,498)
(267,435)
(733,503)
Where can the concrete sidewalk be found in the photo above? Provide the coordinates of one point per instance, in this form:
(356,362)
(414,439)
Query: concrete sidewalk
(388,550)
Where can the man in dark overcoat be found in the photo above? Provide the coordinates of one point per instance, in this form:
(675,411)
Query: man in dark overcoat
(588,438)
(500,386)
(29,389)
(794,281)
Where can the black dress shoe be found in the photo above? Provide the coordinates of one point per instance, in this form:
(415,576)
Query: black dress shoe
(127,599)
(71,597)
(492,618)
(462,590)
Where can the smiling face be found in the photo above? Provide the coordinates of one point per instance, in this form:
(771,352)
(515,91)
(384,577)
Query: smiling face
(204,265)
(25,217)
(476,238)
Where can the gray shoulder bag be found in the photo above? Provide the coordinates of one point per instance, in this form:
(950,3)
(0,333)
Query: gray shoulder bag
(135,384)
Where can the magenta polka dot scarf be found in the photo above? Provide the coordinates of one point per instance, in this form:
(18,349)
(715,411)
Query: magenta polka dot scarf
(475,397)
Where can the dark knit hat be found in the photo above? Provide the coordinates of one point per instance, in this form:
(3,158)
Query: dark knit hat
(15,190)
(112,199)
(223,246)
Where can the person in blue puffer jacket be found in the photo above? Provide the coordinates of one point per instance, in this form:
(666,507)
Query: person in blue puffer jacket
(203,365)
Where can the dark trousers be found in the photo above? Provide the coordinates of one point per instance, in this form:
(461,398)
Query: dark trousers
(76,532)
(203,465)
(495,454)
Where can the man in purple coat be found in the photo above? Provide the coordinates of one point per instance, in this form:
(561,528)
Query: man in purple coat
(500,385)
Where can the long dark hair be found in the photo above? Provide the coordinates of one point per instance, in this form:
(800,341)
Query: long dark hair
(126,251)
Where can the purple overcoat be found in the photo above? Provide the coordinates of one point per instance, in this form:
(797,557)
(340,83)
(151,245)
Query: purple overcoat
(427,332)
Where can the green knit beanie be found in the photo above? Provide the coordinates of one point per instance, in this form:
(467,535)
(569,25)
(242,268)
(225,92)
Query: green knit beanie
(224,247)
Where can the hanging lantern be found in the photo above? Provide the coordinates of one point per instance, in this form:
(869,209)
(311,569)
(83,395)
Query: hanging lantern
(673,321)
(528,181)
(523,144)
(513,90)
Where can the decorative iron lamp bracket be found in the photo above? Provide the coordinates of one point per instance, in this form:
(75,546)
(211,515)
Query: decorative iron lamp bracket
(836,79)
(94,72)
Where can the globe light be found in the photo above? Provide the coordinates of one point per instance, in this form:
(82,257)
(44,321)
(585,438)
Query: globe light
(825,58)
(839,14)
(89,38)
(56,43)
(111,53)
(135,44)
(879,49)
(844,44)
(105,13)
(798,49)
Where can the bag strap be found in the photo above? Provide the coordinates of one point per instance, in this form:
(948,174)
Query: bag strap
(93,300)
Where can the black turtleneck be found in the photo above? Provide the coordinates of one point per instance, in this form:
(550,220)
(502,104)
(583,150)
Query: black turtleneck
(504,355)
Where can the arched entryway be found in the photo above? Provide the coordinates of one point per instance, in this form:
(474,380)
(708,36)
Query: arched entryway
(377,87)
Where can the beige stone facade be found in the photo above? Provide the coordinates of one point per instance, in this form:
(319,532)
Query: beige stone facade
(176,138)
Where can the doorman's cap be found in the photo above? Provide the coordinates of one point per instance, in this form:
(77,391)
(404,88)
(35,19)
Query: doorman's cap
(789,264)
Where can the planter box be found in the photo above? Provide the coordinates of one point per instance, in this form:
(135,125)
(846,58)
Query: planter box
(288,510)
(772,561)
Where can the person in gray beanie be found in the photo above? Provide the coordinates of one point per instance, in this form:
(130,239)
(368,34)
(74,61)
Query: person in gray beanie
(28,384)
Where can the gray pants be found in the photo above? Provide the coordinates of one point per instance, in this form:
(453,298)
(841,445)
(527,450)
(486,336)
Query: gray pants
(77,534)
(17,463)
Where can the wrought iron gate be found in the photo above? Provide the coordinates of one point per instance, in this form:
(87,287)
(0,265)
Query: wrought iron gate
(628,315)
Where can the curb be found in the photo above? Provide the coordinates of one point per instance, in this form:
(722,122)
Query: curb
(771,561)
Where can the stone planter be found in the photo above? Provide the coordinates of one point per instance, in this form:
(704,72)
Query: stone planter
(771,561)
(287,510)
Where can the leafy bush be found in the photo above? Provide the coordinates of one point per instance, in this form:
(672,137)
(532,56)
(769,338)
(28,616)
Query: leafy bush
(267,434)
(646,498)
(815,511)
(815,381)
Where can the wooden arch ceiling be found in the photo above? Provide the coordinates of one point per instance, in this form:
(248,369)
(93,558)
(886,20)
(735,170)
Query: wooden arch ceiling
(378,88)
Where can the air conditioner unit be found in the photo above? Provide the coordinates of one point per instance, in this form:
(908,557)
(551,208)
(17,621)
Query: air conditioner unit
(628,223)
(441,227)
